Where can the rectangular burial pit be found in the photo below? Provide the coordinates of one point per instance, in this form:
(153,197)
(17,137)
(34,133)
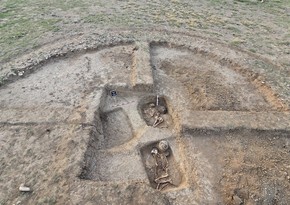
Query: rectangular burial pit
(154,111)
(161,165)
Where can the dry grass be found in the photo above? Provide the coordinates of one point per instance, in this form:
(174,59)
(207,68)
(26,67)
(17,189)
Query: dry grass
(263,27)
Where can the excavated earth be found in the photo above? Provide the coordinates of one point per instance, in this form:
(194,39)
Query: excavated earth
(73,126)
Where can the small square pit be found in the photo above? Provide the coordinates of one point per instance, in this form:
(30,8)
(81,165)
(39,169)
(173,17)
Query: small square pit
(149,162)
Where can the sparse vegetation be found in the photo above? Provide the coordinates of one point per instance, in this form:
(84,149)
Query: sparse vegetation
(50,200)
(25,25)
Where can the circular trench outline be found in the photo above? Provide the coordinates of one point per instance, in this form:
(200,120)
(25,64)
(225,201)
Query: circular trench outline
(224,54)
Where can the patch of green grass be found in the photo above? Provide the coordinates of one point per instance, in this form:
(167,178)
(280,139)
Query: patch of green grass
(217,2)
(5,14)
(2,79)
(12,4)
(96,18)
(253,50)
(234,29)
(64,5)
(249,2)
(23,33)
(2,202)
(49,24)
(49,200)
(237,41)
(285,43)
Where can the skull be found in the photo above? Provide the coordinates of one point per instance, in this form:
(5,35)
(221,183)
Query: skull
(154,151)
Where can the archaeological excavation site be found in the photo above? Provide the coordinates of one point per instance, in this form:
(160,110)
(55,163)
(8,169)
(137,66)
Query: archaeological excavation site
(166,118)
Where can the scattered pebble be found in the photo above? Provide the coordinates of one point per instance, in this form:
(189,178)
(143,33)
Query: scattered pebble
(20,73)
(24,188)
(17,203)
(237,200)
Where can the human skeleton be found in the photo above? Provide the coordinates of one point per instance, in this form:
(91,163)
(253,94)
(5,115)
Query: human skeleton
(153,112)
(160,154)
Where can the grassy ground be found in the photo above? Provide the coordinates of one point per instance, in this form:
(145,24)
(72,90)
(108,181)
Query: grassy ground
(262,28)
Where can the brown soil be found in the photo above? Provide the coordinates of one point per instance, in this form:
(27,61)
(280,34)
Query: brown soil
(65,135)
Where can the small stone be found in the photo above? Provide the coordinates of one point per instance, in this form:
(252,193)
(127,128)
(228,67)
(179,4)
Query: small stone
(136,48)
(76,20)
(242,193)
(24,188)
(237,200)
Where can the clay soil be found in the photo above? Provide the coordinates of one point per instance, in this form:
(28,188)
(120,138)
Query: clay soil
(221,69)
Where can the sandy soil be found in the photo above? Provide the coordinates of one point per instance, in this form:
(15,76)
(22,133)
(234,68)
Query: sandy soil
(225,86)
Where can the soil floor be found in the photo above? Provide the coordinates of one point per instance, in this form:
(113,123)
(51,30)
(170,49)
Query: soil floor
(78,112)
